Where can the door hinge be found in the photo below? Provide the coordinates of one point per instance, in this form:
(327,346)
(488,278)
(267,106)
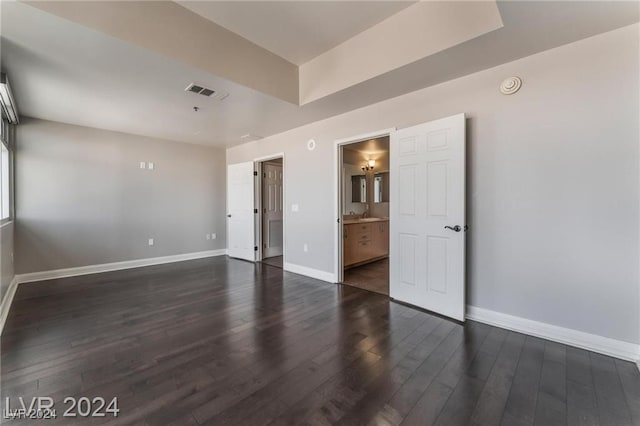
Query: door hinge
(255,211)
(255,173)
(255,248)
(265,176)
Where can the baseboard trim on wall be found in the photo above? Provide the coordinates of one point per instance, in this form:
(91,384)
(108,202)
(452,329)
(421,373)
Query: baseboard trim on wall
(6,302)
(604,345)
(310,272)
(115,266)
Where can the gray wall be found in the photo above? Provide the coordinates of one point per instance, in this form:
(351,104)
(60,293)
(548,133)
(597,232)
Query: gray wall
(553,182)
(81,198)
(6,258)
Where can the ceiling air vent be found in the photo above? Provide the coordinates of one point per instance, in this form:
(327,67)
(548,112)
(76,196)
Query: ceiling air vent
(205,91)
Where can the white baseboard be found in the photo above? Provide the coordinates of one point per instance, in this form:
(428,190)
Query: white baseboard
(310,272)
(115,266)
(6,302)
(604,345)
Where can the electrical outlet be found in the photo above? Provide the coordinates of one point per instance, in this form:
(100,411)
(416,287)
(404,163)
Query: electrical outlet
(213,236)
(150,241)
(151,166)
(305,248)
(208,236)
(294,207)
(143,165)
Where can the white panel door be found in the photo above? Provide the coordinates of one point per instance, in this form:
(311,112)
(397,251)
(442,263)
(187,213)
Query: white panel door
(240,215)
(272,210)
(427,212)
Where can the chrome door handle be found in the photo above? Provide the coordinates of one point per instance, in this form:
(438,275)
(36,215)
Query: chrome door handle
(456,228)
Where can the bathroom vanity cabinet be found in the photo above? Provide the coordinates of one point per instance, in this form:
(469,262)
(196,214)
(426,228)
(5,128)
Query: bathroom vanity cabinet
(365,240)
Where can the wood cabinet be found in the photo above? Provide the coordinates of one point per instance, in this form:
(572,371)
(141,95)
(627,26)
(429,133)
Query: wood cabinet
(365,242)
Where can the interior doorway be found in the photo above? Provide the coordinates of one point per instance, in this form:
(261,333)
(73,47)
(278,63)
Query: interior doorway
(364,213)
(270,202)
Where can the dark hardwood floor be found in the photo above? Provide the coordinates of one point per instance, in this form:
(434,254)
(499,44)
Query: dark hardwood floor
(372,276)
(274,261)
(226,342)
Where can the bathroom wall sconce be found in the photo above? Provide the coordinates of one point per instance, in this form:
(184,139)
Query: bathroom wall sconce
(369,165)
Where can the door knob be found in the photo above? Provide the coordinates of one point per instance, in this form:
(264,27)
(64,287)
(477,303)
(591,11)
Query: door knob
(456,228)
(228,215)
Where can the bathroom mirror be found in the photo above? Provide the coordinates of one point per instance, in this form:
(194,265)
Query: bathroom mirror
(358,189)
(381,187)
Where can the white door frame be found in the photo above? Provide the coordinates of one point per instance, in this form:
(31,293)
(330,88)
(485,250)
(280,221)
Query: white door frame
(337,191)
(257,196)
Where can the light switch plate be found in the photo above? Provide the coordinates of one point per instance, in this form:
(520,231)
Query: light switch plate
(294,207)
(150,241)
(143,165)
(150,166)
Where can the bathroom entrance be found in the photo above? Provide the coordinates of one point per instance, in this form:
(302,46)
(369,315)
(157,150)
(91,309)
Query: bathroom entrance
(416,188)
(364,169)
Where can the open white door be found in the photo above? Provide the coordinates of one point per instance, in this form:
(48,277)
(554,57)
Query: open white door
(240,214)
(272,210)
(427,212)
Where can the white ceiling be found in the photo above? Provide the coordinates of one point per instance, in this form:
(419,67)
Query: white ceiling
(298,31)
(368,147)
(66,72)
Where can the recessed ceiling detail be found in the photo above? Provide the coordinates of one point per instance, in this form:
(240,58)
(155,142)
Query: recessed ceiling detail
(417,32)
(397,34)
(113,74)
(166,28)
(297,31)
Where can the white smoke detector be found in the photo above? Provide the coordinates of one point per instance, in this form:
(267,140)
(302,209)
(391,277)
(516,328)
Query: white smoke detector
(250,137)
(311,145)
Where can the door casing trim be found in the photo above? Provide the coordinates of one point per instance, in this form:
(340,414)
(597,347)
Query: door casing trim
(337,192)
(257,204)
